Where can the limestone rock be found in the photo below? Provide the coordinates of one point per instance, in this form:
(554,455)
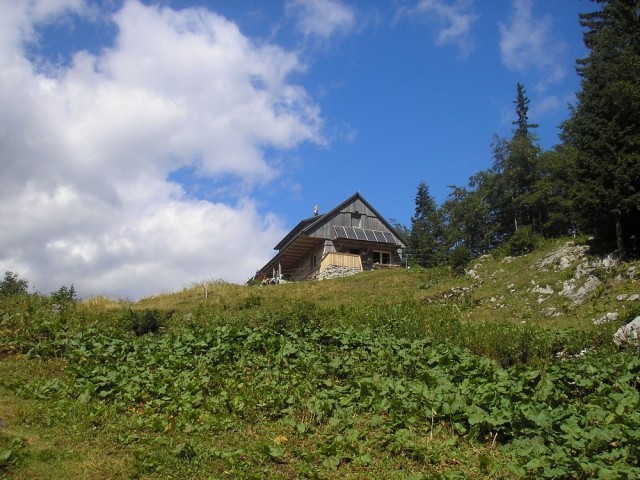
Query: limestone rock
(568,288)
(585,290)
(563,258)
(474,275)
(551,312)
(546,290)
(628,334)
(606,318)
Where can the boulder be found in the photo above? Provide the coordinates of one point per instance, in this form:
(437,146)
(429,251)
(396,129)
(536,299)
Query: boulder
(606,318)
(563,258)
(628,334)
(585,290)
(474,275)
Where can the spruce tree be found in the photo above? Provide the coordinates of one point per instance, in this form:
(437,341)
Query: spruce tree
(426,240)
(522,110)
(515,166)
(604,126)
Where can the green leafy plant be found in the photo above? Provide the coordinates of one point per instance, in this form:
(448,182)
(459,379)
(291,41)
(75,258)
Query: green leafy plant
(143,322)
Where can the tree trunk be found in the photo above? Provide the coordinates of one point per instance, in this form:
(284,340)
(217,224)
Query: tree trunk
(622,251)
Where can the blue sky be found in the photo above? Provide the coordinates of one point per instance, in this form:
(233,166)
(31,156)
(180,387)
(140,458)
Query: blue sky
(146,145)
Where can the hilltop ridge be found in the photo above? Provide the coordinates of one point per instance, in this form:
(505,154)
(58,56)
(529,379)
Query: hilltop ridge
(557,286)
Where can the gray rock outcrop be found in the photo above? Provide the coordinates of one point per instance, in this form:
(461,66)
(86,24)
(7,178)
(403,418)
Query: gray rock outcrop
(628,334)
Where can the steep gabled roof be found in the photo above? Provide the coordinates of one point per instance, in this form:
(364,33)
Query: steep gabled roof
(309,224)
(356,196)
(297,230)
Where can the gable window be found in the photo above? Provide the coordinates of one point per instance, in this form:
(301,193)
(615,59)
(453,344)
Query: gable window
(382,258)
(356,219)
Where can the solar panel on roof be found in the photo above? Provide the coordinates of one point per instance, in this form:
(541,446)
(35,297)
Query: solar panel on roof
(360,234)
(351,234)
(340,232)
(379,237)
(354,233)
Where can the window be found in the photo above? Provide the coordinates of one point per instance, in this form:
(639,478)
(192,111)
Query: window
(355,220)
(314,261)
(383,258)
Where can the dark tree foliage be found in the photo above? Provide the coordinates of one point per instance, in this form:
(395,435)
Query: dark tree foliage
(515,164)
(64,295)
(522,110)
(426,240)
(604,126)
(551,193)
(13,285)
(526,188)
(469,217)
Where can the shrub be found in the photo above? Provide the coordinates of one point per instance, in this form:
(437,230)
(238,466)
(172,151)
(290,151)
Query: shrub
(459,258)
(525,240)
(143,322)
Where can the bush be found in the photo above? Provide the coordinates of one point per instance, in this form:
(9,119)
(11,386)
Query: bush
(459,259)
(525,240)
(143,322)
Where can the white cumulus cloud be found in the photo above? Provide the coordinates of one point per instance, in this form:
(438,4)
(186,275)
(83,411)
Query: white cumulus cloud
(87,151)
(454,21)
(321,19)
(528,43)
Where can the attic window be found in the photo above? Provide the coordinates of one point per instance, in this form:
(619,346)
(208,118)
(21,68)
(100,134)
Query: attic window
(356,219)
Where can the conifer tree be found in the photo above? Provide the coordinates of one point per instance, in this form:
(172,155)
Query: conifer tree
(426,241)
(515,168)
(522,110)
(604,126)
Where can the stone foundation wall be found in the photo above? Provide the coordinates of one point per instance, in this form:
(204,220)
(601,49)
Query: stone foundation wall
(335,271)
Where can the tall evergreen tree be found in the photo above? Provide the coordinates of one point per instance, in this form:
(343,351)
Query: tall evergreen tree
(521,165)
(551,192)
(604,126)
(522,110)
(426,240)
(515,167)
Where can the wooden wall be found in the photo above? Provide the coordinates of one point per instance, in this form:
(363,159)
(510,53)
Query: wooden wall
(343,218)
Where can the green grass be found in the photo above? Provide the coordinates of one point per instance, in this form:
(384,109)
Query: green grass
(387,374)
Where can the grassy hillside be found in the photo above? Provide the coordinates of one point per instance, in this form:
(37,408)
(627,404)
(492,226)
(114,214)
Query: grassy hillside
(499,373)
